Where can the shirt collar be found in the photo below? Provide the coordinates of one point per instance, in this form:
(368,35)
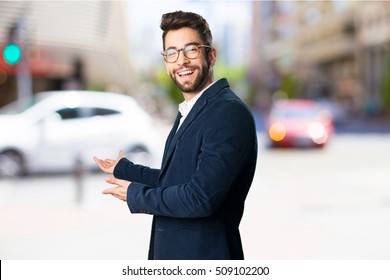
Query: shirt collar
(186,106)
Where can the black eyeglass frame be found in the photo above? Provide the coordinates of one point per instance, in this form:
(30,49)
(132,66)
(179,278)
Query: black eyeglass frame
(164,53)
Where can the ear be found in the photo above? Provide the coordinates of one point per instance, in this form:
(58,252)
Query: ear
(212,56)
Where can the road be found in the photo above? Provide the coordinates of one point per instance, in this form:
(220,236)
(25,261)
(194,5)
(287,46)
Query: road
(321,204)
(332,203)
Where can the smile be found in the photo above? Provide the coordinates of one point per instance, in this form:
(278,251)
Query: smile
(186,72)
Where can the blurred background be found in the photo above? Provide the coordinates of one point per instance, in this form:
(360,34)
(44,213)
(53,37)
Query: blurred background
(322,186)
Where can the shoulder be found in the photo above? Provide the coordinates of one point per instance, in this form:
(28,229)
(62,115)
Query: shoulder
(228,102)
(228,110)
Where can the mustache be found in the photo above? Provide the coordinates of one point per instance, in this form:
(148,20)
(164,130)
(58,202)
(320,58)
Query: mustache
(187,68)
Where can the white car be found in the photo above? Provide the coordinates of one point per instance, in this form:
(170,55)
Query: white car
(64,129)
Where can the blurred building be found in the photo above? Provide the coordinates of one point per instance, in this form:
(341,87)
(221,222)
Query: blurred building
(338,50)
(65,45)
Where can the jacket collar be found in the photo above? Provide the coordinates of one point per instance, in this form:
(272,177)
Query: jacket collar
(210,92)
(195,111)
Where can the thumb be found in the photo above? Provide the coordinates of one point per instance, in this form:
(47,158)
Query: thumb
(121,154)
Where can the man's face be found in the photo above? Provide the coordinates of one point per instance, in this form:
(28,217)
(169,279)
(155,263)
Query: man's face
(189,75)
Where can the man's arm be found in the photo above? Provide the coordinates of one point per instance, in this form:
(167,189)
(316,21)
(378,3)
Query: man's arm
(228,142)
(127,170)
(124,169)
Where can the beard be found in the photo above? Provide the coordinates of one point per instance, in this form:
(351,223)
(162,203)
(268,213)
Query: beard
(197,85)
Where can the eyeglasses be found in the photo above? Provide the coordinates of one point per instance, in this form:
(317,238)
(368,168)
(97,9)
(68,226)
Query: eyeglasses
(171,55)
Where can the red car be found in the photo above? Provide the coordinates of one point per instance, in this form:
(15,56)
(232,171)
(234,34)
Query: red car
(299,123)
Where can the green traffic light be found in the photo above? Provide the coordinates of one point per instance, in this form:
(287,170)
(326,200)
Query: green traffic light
(12,54)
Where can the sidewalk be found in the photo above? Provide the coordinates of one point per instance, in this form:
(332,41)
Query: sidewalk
(41,219)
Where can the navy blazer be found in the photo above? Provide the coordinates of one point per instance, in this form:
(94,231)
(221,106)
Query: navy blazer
(197,197)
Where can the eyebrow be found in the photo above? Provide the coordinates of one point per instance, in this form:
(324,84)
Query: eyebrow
(192,43)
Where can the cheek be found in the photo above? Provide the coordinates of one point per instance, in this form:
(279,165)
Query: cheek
(170,73)
(169,70)
(166,67)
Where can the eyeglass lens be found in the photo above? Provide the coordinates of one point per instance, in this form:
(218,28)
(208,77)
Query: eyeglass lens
(190,51)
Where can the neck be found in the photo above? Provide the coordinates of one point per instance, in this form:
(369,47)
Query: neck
(189,95)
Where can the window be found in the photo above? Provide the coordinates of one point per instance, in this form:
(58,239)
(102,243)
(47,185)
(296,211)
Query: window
(103,112)
(84,112)
(68,113)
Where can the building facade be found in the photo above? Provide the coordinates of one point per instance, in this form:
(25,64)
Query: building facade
(338,50)
(65,45)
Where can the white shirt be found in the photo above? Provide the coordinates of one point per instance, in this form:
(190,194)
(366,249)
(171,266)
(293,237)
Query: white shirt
(186,106)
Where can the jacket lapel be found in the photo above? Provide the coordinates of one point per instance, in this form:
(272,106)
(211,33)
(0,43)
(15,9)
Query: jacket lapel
(190,117)
(170,137)
(195,111)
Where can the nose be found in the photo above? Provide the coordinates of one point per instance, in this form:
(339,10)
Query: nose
(182,59)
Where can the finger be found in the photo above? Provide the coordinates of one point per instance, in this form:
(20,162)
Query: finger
(116,192)
(100,162)
(97,160)
(112,180)
(118,182)
(107,191)
(121,154)
(112,191)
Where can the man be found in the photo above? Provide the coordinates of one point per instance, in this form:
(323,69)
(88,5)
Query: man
(197,197)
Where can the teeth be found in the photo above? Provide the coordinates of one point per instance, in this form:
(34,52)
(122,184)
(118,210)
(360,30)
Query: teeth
(186,72)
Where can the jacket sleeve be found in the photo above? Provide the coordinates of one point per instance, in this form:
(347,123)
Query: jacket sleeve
(127,170)
(229,139)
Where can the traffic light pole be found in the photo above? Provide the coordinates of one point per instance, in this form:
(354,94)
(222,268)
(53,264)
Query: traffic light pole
(24,83)
(23,75)
(16,53)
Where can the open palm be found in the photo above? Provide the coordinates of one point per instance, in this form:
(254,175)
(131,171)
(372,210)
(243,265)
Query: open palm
(108,165)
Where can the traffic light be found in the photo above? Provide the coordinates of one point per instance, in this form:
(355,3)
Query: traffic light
(12,53)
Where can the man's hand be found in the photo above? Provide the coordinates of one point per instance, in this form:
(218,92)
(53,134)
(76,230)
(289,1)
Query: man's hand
(108,165)
(120,191)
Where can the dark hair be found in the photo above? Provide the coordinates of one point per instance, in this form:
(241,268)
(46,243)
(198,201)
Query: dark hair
(180,19)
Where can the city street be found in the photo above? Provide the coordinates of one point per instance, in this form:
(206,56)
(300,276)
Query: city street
(331,203)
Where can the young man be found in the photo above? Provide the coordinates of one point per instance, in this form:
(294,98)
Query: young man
(197,196)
